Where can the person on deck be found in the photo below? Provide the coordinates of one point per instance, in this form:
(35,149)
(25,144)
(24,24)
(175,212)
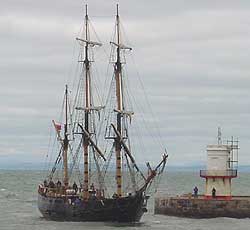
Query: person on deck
(75,187)
(92,187)
(58,184)
(115,196)
(45,183)
(51,184)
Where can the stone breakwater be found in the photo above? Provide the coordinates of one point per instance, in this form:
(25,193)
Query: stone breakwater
(200,207)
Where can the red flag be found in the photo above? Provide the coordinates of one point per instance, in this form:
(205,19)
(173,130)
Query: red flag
(58,127)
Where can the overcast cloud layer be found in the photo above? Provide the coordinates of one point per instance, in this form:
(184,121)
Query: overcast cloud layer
(193,57)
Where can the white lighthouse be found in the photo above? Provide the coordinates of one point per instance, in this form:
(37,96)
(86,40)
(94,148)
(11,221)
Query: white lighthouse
(218,201)
(221,162)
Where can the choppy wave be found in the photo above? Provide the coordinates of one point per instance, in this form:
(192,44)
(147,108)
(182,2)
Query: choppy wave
(11,195)
(19,207)
(4,193)
(31,200)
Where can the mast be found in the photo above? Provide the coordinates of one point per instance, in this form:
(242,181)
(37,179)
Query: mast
(86,112)
(119,143)
(87,106)
(118,79)
(65,142)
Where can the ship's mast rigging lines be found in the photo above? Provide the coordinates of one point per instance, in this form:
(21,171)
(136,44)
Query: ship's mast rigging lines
(85,112)
(65,146)
(81,121)
(92,202)
(84,119)
(117,128)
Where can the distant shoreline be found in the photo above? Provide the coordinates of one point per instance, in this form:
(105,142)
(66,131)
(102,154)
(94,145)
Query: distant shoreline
(43,167)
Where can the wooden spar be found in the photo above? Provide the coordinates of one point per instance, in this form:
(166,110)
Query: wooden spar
(153,172)
(125,147)
(89,42)
(86,124)
(119,108)
(66,142)
(86,134)
(88,106)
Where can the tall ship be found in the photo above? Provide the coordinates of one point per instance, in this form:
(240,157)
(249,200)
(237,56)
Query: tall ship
(83,184)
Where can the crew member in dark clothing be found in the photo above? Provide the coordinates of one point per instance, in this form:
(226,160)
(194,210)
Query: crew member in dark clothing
(45,183)
(195,191)
(213,192)
(51,184)
(92,187)
(58,184)
(75,187)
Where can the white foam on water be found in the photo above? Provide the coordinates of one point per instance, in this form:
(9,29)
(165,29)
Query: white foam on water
(156,222)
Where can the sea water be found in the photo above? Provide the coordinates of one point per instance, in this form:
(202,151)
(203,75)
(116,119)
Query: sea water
(18,205)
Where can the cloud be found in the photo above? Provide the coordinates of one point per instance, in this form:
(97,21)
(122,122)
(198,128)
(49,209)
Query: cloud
(191,57)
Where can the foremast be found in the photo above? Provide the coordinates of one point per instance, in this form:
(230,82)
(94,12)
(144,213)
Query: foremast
(66,142)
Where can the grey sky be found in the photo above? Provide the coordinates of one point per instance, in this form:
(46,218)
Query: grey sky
(192,57)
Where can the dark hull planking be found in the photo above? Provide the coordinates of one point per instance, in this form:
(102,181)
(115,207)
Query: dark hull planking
(125,209)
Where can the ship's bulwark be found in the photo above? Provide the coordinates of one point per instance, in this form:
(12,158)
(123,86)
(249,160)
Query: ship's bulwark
(125,209)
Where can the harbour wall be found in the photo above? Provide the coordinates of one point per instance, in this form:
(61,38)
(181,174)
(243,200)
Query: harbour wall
(200,207)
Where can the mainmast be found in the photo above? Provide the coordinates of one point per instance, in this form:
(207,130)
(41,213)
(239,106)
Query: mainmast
(86,112)
(88,106)
(65,142)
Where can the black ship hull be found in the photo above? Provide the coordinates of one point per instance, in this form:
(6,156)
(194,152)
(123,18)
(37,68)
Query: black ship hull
(125,209)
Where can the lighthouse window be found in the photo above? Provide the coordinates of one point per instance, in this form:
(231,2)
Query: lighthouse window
(213,179)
